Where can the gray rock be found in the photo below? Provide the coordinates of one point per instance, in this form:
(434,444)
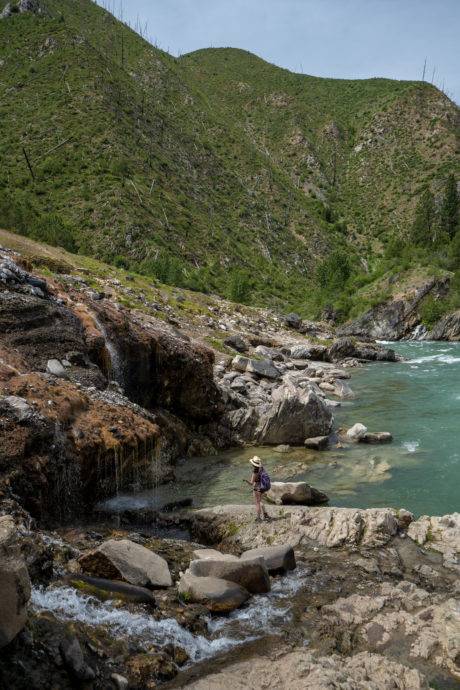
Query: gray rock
(343,390)
(277,558)
(282,448)
(120,682)
(294,415)
(300,352)
(356,432)
(74,660)
(14,583)
(55,368)
(219,596)
(237,342)
(240,363)
(270,353)
(212,554)
(317,442)
(293,320)
(295,493)
(377,437)
(16,406)
(252,575)
(263,368)
(125,560)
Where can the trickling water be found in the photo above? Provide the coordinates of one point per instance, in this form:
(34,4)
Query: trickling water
(116,372)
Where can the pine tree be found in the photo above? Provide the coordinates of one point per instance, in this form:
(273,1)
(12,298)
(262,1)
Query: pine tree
(450,207)
(424,226)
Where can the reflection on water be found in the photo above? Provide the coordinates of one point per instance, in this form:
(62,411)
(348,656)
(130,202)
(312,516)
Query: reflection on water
(418,401)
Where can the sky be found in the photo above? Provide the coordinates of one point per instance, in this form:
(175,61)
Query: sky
(328,38)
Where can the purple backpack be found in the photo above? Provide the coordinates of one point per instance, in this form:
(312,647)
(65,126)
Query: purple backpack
(264,481)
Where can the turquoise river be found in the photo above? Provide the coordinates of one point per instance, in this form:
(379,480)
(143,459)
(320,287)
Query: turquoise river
(417,400)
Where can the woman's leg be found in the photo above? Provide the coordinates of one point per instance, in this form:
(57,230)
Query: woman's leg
(257,501)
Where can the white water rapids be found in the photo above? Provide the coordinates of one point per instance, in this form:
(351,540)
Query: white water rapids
(261,616)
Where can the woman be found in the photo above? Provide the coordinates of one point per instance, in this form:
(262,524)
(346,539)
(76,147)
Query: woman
(260,482)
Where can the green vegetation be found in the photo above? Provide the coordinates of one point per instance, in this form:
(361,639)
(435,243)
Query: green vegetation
(219,172)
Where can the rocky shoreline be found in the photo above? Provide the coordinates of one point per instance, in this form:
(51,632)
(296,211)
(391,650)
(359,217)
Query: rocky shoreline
(97,398)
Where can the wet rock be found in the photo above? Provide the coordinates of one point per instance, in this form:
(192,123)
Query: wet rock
(356,432)
(282,448)
(277,559)
(448,328)
(212,554)
(440,534)
(317,442)
(146,669)
(14,583)
(376,437)
(74,660)
(111,589)
(125,560)
(237,342)
(219,596)
(252,575)
(120,682)
(343,390)
(300,493)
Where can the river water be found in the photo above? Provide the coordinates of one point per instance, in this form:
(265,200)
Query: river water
(417,400)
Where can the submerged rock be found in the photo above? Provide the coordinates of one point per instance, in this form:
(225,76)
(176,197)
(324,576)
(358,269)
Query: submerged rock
(218,595)
(124,560)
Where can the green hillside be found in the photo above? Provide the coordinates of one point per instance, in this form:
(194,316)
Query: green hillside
(216,171)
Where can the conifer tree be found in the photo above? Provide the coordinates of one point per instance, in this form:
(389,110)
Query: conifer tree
(424,226)
(450,208)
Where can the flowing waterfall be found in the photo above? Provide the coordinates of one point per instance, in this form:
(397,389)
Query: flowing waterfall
(116,370)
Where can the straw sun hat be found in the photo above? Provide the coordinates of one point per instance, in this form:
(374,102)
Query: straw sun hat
(256,461)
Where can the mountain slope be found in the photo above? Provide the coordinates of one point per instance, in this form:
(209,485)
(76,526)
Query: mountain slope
(217,171)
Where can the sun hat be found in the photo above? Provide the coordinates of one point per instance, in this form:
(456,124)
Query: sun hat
(256,461)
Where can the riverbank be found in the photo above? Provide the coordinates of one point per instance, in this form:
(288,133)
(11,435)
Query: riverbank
(99,400)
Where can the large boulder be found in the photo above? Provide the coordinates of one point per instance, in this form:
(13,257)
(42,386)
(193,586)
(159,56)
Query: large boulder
(297,493)
(294,415)
(347,347)
(219,596)
(14,583)
(250,574)
(448,328)
(124,560)
(278,559)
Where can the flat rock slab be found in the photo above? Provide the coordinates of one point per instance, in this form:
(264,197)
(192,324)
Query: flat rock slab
(213,555)
(377,437)
(124,560)
(219,596)
(278,559)
(250,574)
(317,442)
(111,589)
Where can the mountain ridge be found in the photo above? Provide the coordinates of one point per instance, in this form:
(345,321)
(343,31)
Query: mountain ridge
(215,170)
